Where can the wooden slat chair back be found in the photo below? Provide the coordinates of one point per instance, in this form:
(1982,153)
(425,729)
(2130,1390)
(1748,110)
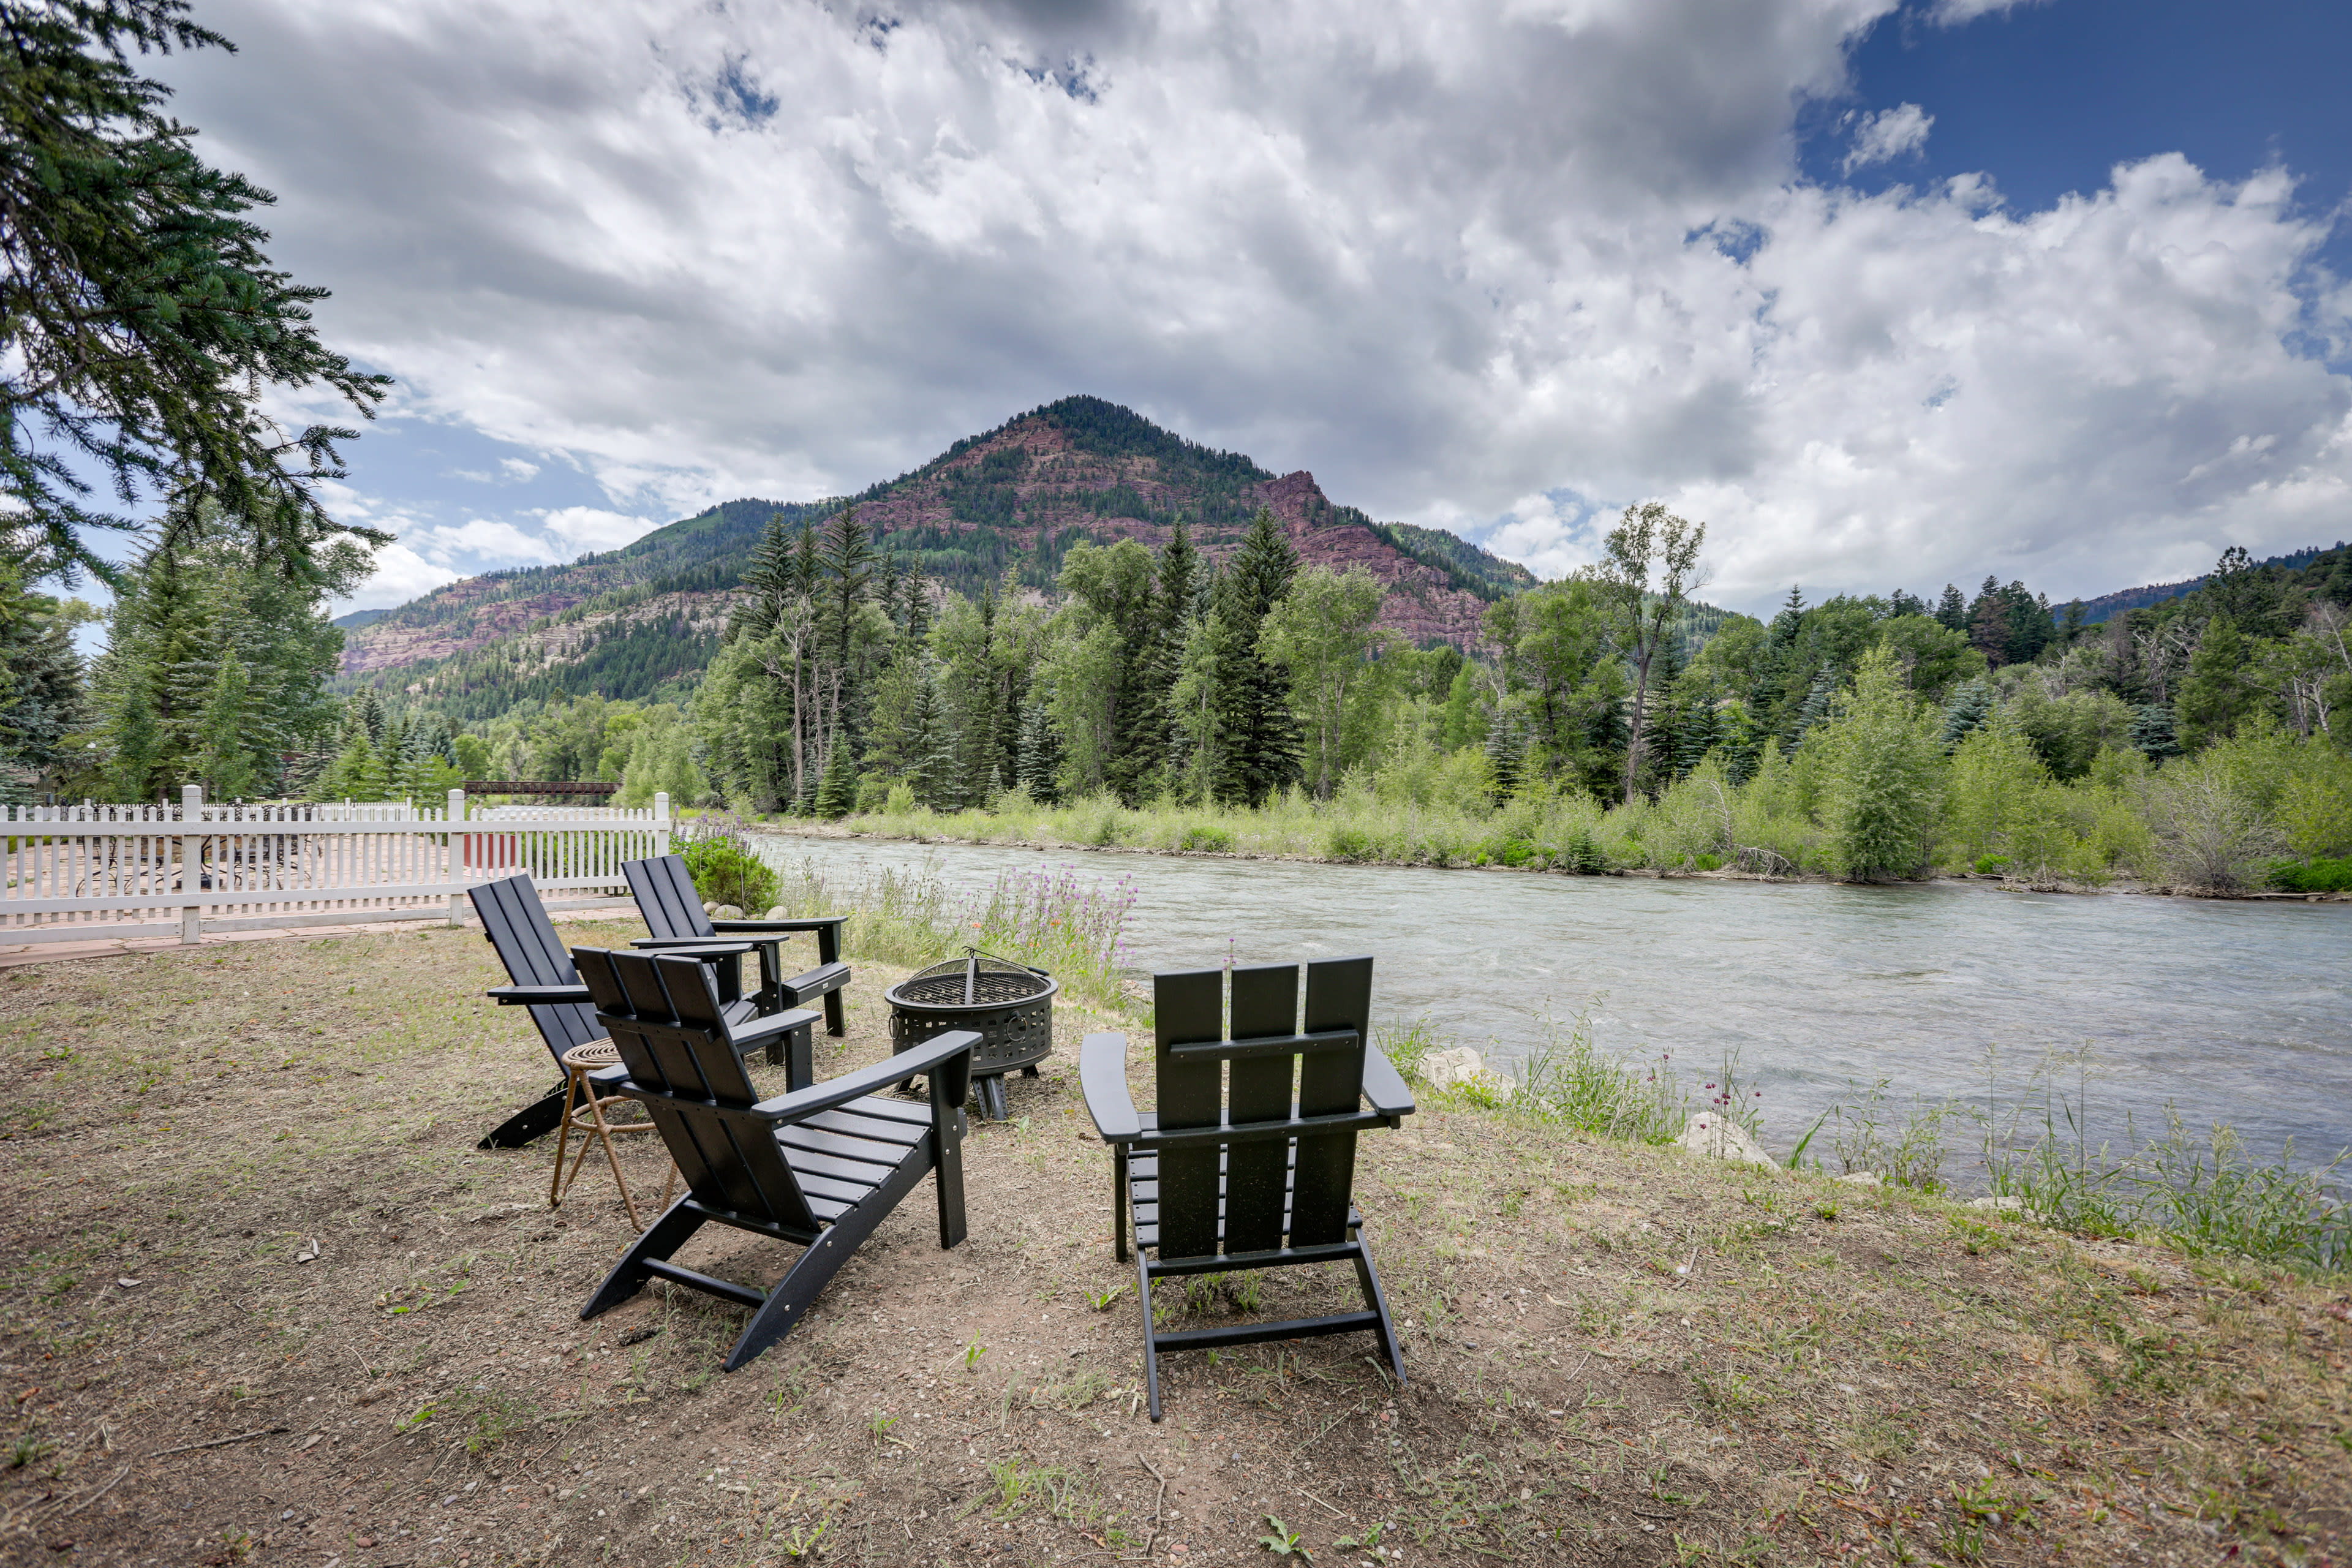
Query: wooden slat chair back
(1249,1162)
(516,926)
(819,1165)
(672,913)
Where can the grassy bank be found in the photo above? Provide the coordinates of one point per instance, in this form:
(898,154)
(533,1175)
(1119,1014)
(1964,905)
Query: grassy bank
(1617,1352)
(2218,824)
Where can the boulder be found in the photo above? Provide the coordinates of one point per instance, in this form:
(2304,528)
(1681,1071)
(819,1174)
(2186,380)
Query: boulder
(727,913)
(1862,1178)
(1461,1068)
(1709,1133)
(777,913)
(2004,1205)
(709,906)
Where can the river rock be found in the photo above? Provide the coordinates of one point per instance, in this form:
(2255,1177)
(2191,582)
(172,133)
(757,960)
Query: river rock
(1461,1067)
(2005,1206)
(1709,1133)
(1862,1178)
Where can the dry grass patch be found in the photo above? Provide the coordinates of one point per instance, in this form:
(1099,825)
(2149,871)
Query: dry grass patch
(1616,1355)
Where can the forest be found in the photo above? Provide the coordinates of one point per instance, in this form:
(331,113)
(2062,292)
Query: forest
(1609,720)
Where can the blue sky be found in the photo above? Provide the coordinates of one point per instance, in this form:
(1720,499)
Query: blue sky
(1888,295)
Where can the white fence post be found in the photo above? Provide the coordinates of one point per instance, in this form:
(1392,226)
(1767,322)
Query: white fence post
(458,842)
(191,862)
(661,822)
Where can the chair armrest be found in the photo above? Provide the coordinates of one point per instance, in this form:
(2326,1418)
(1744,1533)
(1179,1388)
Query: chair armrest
(537,996)
(799,923)
(1102,1075)
(802,1104)
(756,1031)
(1384,1085)
(694,947)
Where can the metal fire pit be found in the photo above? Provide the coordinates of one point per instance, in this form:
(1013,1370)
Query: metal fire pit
(1009,1004)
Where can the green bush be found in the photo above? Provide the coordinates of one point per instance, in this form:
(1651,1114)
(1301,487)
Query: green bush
(1202,836)
(2319,876)
(1345,843)
(1582,854)
(725,871)
(1991,865)
(1708,863)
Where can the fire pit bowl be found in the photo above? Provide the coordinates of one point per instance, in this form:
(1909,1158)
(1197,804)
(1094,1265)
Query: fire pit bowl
(1011,1004)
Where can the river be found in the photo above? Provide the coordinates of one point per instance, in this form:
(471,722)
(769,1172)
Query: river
(2233,1012)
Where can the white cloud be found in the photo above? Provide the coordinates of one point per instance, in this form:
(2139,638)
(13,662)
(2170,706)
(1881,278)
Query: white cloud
(584,527)
(400,575)
(1889,135)
(1953,13)
(518,469)
(1444,256)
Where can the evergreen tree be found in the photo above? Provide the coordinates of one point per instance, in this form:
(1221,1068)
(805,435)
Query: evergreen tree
(1041,752)
(1952,608)
(1507,754)
(223,759)
(1817,704)
(42,698)
(1881,766)
(1989,623)
(2152,733)
(1968,707)
(1741,742)
(1261,733)
(2214,694)
(142,324)
(1695,736)
(837,796)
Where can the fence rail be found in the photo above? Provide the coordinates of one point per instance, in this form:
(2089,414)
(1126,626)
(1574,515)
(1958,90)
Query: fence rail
(110,870)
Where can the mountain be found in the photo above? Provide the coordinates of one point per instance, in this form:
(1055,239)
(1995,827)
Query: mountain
(642,620)
(359,618)
(2107,605)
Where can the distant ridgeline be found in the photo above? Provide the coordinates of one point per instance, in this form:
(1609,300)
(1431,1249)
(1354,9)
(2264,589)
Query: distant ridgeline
(643,622)
(2096,610)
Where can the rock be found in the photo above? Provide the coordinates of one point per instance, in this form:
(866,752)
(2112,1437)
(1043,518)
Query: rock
(2006,1205)
(1862,1178)
(777,913)
(727,913)
(1709,1133)
(1461,1067)
(709,906)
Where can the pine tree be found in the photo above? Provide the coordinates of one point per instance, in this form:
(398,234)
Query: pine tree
(1694,737)
(2214,694)
(1952,608)
(1262,753)
(1741,741)
(2152,733)
(1968,707)
(837,796)
(1817,704)
(1041,752)
(224,760)
(1507,754)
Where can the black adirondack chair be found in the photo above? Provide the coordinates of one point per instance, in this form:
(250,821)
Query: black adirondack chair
(819,1166)
(673,912)
(516,923)
(1257,1174)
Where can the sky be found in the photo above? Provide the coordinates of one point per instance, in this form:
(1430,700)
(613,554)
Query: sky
(1886,292)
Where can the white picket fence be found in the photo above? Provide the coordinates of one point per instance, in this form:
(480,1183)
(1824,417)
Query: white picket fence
(86,871)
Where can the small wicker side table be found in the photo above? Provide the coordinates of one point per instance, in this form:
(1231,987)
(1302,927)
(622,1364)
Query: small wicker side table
(583,1110)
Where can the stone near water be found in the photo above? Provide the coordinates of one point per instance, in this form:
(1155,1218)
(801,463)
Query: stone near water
(1461,1068)
(1862,1178)
(2005,1206)
(1723,1138)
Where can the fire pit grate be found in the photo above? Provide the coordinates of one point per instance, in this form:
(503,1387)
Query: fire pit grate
(1011,1004)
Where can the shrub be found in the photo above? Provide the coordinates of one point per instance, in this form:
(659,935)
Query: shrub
(1582,854)
(726,871)
(1345,843)
(2321,875)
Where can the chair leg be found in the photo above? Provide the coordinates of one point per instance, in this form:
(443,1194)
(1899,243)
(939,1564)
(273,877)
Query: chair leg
(834,1022)
(947,1160)
(665,1235)
(533,1121)
(1118,1201)
(1368,1278)
(605,1136)
(806,1279)
(562,1139)
(1151,1344)
(800,1070)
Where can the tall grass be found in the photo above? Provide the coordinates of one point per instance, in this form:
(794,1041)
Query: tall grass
(1048,918)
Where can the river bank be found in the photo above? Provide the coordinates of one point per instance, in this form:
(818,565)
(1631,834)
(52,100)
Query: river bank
(1617,1353)
(1214,835)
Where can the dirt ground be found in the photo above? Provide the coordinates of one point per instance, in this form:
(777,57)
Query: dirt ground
(1616,1355)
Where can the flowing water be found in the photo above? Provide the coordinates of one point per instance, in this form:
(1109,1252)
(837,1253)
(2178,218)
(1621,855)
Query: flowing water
(2233,1012)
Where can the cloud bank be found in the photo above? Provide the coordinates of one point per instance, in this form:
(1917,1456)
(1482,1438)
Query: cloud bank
(1501,266)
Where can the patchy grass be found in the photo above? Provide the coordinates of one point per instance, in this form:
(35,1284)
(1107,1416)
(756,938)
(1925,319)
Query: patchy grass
(1617,1354)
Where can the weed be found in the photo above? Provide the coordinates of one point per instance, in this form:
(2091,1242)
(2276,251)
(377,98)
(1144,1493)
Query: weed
(1100,1300)
(420,1416)
(1284,1542)
(29,1450)
(972,1351)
